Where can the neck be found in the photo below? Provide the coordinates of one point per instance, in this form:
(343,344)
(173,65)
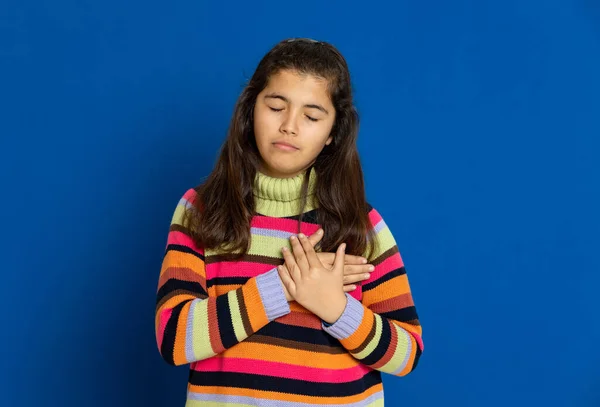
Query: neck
(281,197)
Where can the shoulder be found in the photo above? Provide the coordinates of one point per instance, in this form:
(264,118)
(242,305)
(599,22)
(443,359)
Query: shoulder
(186,201)
(375,217)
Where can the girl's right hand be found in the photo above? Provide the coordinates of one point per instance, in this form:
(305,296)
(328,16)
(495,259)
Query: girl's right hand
(356,268)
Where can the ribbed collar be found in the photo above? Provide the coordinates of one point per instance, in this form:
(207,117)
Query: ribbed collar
(280,197)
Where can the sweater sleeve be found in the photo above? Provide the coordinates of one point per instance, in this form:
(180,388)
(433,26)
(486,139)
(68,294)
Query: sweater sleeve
(192,325)
(382,331)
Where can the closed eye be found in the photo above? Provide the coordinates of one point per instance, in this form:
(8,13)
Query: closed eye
(312,119)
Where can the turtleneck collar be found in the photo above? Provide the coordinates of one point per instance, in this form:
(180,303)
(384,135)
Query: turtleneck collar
(280,197)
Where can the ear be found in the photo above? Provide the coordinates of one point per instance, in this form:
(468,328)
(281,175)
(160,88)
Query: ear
(329,140)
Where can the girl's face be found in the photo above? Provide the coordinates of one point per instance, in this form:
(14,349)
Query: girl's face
(293,118)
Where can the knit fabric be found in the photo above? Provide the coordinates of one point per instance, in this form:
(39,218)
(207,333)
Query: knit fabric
(247,346)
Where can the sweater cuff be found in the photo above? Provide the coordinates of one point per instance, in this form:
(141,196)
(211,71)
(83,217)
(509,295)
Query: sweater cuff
(272,295)
(349,321)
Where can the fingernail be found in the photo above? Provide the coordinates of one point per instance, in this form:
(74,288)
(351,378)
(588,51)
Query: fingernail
(364,260)
(292,237)
(371,268)
(367,276)
(301,235)
(353,287)
(284,249)
(319,231)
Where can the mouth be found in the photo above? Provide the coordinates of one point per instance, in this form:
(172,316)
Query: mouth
(285,146)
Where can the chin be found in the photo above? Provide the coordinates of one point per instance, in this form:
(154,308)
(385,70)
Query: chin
(283,171)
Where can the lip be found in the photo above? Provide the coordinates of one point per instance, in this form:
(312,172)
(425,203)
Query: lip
(285,146)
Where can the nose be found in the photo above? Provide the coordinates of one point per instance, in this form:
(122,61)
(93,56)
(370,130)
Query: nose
(289,125)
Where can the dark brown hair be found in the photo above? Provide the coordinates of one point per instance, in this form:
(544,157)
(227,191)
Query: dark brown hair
(225,203)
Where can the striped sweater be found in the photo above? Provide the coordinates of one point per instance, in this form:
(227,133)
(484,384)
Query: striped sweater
(247,346)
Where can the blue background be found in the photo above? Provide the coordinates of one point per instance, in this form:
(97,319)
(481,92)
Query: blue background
(479,140)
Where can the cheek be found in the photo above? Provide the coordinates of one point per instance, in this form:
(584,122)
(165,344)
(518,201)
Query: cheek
(264,124)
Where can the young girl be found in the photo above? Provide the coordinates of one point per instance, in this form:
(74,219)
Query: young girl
(256,291)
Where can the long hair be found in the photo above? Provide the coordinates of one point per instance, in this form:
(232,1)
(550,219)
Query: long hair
(225,204)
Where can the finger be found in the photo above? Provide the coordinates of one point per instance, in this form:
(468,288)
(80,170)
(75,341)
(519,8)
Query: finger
(327,258)
(286,279)
(355,278)
(290,263)
(316,237)
(362,269)
(309,251)
(299,254)
(348,288)
(338,264)
(351,259)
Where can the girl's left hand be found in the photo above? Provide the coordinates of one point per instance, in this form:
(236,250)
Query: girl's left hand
(317,288)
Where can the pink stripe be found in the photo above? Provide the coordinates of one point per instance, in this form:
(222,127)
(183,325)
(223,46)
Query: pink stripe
(375,217)
(418,339)
(190,195)
(283,370)
(391,263)
(285,225)
(176,237)
(236,269)
(162,324)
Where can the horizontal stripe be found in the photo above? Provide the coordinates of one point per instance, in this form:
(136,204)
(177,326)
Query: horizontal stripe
(290,397)
(183,249)
(282,385)
(174,285)
(393,261)
(207,400)
(393,304)
(373,282)
(239,268)
(292,344)
(284,370)
(251,349)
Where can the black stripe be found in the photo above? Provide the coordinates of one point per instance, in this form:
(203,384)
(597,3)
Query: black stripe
(173,284)
(226,331)
(168,343)
(184,249)
(298,334)
(386,277)
(226,281)
(282,385)
(382,346)
(403,314)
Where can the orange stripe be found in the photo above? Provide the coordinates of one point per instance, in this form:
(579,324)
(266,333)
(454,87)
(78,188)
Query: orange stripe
(173,258)
(271,395)
(256,312)
(224,289)
(271,353)
(360,336)
(390,289)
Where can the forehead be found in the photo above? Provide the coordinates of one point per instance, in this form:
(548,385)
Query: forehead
(299,87)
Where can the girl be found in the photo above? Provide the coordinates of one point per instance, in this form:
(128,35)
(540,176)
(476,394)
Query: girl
(256,291)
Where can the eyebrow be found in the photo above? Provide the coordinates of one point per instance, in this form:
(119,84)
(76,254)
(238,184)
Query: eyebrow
(311,106)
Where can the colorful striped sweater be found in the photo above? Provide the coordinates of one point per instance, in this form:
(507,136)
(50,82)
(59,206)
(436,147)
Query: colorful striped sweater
(247,346)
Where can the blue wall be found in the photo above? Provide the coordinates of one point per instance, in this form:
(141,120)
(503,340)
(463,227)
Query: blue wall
(479,140)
